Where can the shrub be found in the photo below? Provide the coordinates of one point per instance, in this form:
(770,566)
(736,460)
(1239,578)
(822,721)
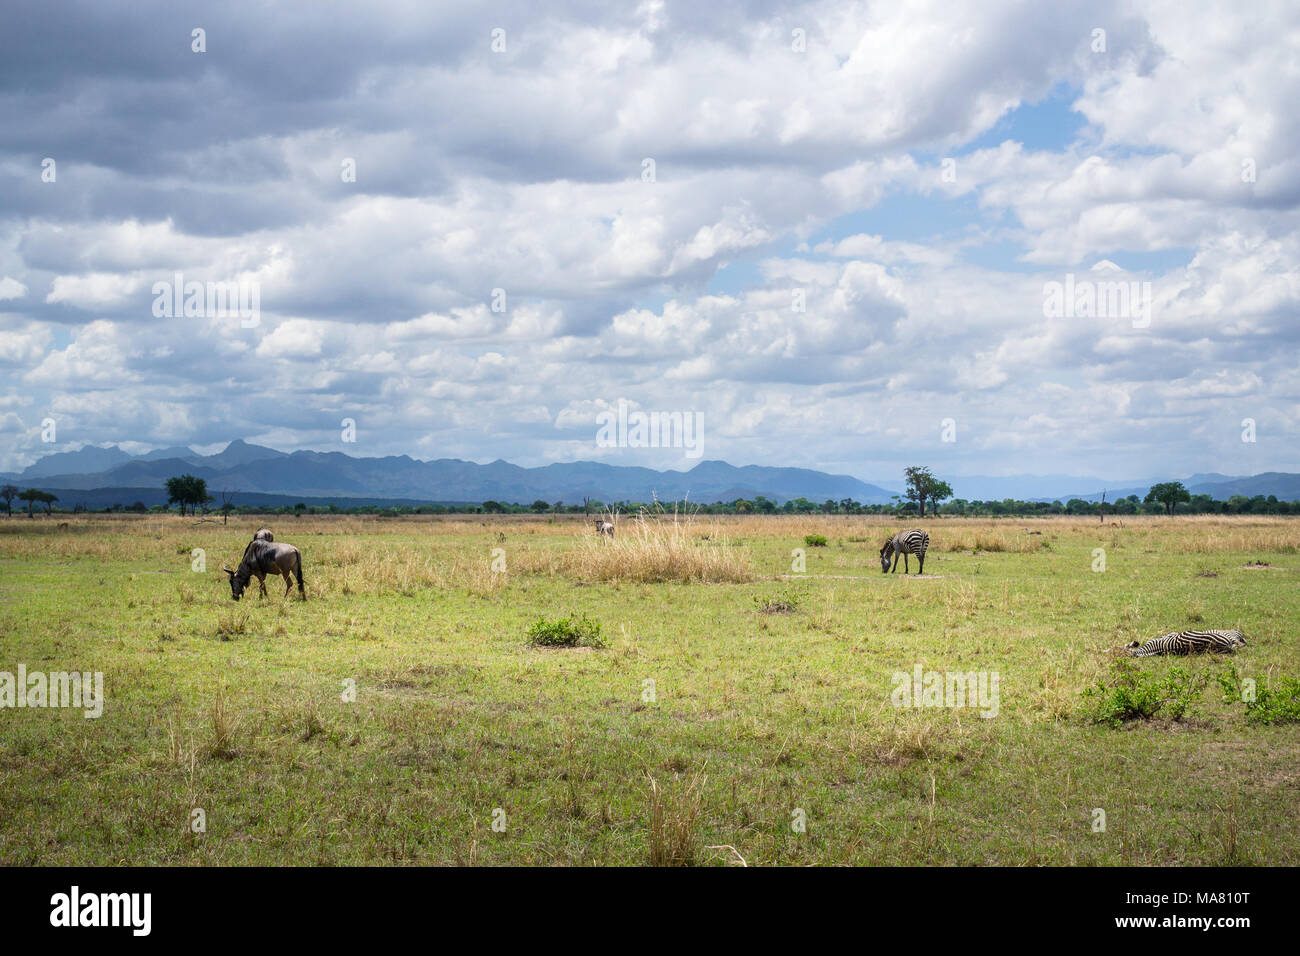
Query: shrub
(778,602)
(1280,705)
(815,540)
(1136,695)
(566,632)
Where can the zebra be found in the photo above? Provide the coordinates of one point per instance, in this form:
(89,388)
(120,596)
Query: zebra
(905,543)
(1190,642)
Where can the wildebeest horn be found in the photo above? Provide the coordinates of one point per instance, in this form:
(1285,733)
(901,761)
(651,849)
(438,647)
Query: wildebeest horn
(226,569)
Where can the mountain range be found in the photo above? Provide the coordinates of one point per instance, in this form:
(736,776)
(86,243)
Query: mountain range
(96,476)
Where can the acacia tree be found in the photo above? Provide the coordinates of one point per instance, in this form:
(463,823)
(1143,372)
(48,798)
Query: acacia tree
(923,486)
(31,496)
(938,492)
(8,493)
(1169,494)
(918,478)
(187,490)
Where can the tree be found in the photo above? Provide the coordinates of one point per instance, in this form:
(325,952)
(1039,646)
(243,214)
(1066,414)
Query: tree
(922,486)
(227,504)
(493,507)
(47,499)
(540,507)
(918,478)
(187,490)
(31,496)
(8,493)
(938,492)
(1169,494)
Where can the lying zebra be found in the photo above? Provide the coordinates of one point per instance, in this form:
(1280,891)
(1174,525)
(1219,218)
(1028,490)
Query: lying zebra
(905,543)
(1190,642)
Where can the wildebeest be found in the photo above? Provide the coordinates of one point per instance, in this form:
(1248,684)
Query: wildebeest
(604,527)
(263,534)
(262,558)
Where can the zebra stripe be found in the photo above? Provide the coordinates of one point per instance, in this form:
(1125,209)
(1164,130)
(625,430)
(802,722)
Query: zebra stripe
(1190,642)
(905,542)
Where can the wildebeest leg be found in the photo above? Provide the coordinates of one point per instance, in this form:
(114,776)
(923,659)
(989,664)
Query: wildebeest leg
(261,582)
(288,583)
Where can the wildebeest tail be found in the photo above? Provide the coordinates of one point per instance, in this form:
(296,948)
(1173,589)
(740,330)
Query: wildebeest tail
(297,570)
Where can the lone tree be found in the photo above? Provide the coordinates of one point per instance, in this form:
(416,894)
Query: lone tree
(1169,494)
(8,493)
(227,504)
(539,506)
(922,486)
(187,490)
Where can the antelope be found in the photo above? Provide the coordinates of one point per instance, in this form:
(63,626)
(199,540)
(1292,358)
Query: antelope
(604,527)
(262,558)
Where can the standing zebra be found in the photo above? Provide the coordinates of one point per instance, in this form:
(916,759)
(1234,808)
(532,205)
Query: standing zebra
(1190,642)
(905,543)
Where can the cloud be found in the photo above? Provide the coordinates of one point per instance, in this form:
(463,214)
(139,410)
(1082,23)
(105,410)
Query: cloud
(796,268)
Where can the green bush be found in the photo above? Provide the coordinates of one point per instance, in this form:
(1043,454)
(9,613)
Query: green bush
(1133,694)
(815,540)
(566,632)
(778,602)
(1271,705)
(1280,705)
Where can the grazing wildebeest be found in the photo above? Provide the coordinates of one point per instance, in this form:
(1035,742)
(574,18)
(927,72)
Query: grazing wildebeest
(604,527)
(262,558)
(261,534)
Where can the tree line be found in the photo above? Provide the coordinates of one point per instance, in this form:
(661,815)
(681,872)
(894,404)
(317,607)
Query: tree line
(924,495)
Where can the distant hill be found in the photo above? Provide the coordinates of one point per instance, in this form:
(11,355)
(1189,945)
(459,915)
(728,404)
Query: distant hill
(253,469)
(258,470)
(85,460)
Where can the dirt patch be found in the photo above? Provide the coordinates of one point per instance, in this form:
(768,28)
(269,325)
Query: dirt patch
(1260,566)
(1208,574)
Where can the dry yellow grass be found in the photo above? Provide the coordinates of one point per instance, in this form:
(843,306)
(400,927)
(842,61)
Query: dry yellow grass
(652,547)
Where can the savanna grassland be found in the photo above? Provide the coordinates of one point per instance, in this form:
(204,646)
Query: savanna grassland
(771,694)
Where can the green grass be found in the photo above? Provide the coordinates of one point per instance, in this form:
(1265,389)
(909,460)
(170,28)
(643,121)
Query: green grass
(704,723)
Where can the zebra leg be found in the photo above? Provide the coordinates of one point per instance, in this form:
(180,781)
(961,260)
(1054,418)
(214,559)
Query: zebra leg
(906,569)
(920,563)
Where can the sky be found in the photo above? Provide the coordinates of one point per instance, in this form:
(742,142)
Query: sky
(828,232)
